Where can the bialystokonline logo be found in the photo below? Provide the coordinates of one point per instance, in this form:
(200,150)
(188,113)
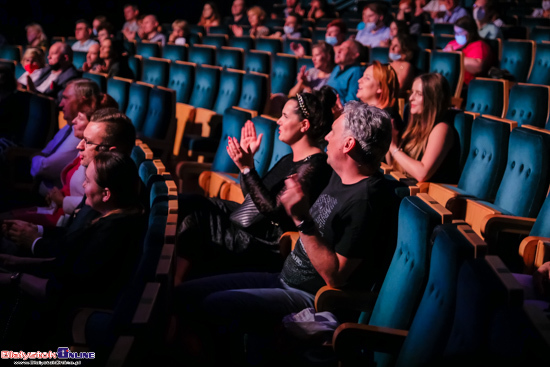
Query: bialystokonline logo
(62,353)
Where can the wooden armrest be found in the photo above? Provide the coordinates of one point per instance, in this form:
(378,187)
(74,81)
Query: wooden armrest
(206,118)
(528,250)
(121,352)
(79,323)
(287,241)
(188,172)
(216,180)
(330,299)
(493,224)
(440,193)
(386,168)
(165,264)
(350,337)
(231,191)
(471,211)
(146,304)
(184,113)
(543,252)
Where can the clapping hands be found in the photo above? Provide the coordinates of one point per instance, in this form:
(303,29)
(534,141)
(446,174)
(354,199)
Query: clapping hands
(243,154)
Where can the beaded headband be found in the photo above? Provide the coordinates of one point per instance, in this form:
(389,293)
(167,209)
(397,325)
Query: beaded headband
(302,105)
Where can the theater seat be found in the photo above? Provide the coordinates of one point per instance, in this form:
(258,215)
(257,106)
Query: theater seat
(119,89)
(539,34)
(258,61)
(244,42)
(451,66)
(202,54)
(528,104)
(155,71)
(487,96)
(540,72)
(517,58)
(216,40)
(148,49)
(175,52)
(380,54)
(12,52)
(181,79)
(255,92)
(229,58)
(283,73)
(79,58)
(273,45)
(159,126)
(138,99)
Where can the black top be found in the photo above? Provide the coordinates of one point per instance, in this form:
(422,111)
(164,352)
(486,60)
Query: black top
(357,221)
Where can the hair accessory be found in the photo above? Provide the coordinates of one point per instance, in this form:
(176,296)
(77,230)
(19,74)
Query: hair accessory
(302,105)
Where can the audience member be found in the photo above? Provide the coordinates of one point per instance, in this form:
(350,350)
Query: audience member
(238,14)
(59,72)
(150,28)
(114,62)
(105,30)
(429,149)
(210,16)
(485,15)
(34,62)
(347,71)
(96,23)
(36,36)
(293,6)
(320,9)
(245,235)
(256,18)
(291,29)
(180,32)
(375,32)
(542,12)
(334,36)
(316,77)
(131,26)
(396,27)
(347,238)
(93,62)
(402,50)
(453,13)
(477,54)
(83,35)
(413,13)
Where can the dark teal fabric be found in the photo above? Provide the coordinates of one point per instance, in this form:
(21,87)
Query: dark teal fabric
(486,97)
(528,104)
(182,80)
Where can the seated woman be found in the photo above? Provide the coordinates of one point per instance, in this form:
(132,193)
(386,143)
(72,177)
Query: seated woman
(316,77)
(36,36)
(379,87)
(210,16)
(217,235)
(256,18)
(320,9)
(180,32)
(429,149)
(91,264)
(486,16)
(114,62)
(402,50)
(33,61)
(396,27)
(477,54)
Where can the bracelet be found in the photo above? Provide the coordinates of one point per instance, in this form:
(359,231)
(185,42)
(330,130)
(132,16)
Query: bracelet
(395,151)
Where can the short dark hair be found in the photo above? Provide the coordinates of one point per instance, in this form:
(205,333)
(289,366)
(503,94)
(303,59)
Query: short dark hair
(119,130)
(83,21)
(118,172)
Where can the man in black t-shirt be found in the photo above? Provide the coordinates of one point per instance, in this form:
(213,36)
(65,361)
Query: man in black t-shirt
(346,238)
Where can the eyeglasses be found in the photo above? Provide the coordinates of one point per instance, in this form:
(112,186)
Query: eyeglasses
(87,144)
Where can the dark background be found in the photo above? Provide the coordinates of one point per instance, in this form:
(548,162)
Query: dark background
(58,17)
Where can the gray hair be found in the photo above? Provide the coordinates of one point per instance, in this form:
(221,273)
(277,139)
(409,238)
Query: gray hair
(372,129)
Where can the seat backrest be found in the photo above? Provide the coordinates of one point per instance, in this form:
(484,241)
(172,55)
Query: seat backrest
(99,78)
(517,58)
(161,112)
(182,79)
(541,227)
(306,60)
(380,54)
(196,29)
(463,124)
(451,66)
(487,96)
(254,92)
(514,32)
(318,34)
(148,49)
(11,52)
(229,91)
(205,89)
(305,42)
(140,154)
(273,45)
(496,47)
(525,182)
(216,40)
(138,99)
(540,73)
(422,60)
(202,54)
(219,29)
(244,42)
(155,71)
(233,121)
(528,104)
(486,159)
(283,73)
(433,320)
(41,122)
(230,58)
(280,149)
(443,28)
(264,125)
(195,39)
(258,61)
(425,41)
(119,89)
(531,22)
(442,40)
(134,62)
(175,52)
(539,34)
(79,58)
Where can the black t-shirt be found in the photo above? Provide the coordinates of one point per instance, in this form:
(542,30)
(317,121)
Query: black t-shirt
(358,221)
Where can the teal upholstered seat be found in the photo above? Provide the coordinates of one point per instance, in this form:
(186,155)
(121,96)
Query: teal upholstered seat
(517,56)
(528,104)
(442,40)
(216,40)
(262,158)
(540,73)
(306,60)
(219,29)
(134,62)
(161,111)
(258,61)
(305,42)
(487,96)
(196,29)
(318,35)
(205,89)
(539,34)
(100,79)
(280,149)
(229,91)
(148,49)
(244,42)
(175,52)
(254,92)
(41,122)
(79,58)
(195,39)
(155,71)
(531,22)
(273,45)
(12,52)
(202,54)
(425,41)
(380,54)
(181,79)
(229,58)
(283,73)
(463,125)
(450,65)
(138,99)
(514,32)
(443,28)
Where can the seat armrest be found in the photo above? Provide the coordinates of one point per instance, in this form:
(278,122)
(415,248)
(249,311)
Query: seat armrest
(80,321)
(543,251)
(471,211)
(349,338)
(496,223)
(287,241)
(187,173)
(331,299)
(528,250)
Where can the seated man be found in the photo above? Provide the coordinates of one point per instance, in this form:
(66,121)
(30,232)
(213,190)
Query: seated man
(454,12)
(83,35)
(238,14)
(347,72)
(335,35)
(375,30)
(59,72)
(93,62)
(150,30)
(347,238)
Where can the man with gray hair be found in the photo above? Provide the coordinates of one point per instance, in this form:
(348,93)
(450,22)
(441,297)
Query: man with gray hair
(347,238)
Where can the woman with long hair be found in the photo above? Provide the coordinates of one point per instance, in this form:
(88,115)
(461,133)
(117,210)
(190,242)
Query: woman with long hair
(210,16)
(402,50)
(217,235)
(428,149)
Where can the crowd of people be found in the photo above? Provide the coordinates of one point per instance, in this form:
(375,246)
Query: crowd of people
(79,242)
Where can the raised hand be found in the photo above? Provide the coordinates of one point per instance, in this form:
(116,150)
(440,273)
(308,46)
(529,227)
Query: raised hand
(242,158)
(294,200)
(302,74)
(249,140)
(298,49)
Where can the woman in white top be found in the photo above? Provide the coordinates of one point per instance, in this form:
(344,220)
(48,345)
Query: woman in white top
(33,62)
